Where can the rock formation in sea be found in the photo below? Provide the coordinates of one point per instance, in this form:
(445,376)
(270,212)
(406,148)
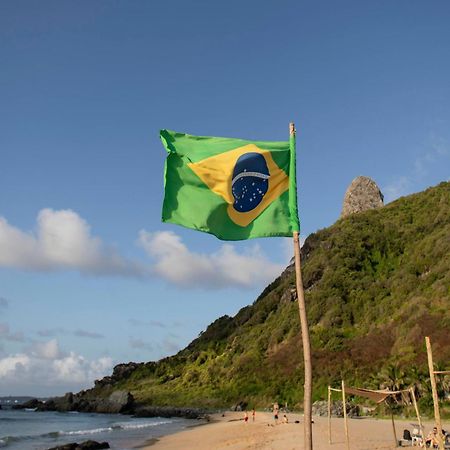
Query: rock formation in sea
(86,445)
(362,194)
(117,402)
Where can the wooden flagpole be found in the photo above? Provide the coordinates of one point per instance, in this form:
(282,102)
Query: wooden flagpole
(344,407)
(329,415)
(307,393)
(437,414)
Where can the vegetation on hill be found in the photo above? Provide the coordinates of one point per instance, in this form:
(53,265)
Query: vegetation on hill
(376,283)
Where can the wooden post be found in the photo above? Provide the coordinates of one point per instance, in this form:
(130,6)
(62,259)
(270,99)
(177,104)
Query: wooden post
(413,396)
(329,415)
(437,415)
(307,393)
(344,407)
(393,428)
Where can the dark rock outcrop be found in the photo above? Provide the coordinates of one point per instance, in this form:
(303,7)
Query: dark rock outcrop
(86,445)
(362,194)
(289,295)
(167,411)
(320,408)
(241,406)
(84,401)
(61,404)
(30,404)
(117,402)
(122,372)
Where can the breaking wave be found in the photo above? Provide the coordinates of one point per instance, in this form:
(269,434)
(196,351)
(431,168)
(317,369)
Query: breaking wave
(6,440)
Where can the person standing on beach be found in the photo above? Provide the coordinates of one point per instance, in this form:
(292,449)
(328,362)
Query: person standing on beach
(246,417)
(253,414)
(275,412)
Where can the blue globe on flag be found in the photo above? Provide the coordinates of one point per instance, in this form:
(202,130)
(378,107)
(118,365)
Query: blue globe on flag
(250,181)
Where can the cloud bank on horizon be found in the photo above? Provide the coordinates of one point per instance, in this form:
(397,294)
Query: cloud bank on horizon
(44,367)
(63,241)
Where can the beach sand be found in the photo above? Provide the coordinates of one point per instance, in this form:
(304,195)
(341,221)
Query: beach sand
(231,433)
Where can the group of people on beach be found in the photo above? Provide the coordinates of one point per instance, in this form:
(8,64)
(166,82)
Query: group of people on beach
(276,411)
(432,439)
(246,415)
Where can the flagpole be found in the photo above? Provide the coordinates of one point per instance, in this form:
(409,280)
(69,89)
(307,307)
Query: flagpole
(307,395)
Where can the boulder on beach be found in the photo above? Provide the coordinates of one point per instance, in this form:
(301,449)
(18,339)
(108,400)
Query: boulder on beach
(320,408)
(117,402)
(86,445)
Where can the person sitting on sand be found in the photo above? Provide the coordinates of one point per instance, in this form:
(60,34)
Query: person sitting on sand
(432,439)
(285,419)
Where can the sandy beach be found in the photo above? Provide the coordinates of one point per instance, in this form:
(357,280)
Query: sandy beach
(232,433)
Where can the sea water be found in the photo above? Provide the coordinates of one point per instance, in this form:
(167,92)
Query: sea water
(32,430)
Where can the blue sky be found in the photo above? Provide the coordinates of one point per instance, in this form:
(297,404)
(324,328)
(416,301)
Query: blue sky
(89,276)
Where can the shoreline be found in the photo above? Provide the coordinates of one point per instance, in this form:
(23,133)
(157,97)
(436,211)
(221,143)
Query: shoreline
(149,443)
(229,431)
(27,430)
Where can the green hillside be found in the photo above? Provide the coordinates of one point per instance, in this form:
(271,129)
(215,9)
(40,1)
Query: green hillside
(375,283)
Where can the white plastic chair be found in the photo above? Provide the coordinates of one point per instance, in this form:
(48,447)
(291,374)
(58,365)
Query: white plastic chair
(417,440)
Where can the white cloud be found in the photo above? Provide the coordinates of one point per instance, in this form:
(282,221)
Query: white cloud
(46,350)
(45,370)
(13,364)
(63,240)
(174,262)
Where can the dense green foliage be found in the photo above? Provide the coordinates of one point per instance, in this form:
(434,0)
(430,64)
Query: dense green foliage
(375,282)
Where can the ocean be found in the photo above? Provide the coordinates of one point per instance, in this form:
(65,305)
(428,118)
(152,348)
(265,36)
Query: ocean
(32,430)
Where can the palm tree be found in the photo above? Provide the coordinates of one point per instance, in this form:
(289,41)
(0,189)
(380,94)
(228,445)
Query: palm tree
(416,378)
(393,378)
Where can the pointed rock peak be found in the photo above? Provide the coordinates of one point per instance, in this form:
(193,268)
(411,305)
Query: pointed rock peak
(362,194)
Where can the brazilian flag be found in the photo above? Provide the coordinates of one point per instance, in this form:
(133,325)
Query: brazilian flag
(231,188)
